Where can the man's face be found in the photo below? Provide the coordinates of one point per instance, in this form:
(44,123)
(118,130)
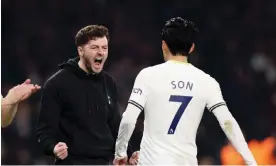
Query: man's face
(94,54)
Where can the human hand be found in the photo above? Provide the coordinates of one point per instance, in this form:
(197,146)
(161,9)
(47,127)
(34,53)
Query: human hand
(21,92)
(60,150)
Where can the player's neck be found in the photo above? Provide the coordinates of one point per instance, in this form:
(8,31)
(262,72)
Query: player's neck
(183,59)
(82,66)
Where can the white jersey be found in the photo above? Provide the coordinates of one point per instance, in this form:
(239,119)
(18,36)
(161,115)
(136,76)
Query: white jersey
(173,96)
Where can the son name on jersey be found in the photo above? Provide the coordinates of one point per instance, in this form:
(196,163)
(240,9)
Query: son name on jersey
(182,85)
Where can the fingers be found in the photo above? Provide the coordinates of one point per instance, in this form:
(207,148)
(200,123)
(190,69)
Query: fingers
(27,90)
(21,92)
(61,144)
(116,162)
(35,88)
(60,150)
(28,81)
(133,161)
(134,158)
(27,87)
(136,154)
(63,154)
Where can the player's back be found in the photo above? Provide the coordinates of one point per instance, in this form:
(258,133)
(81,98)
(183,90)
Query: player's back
(173,110)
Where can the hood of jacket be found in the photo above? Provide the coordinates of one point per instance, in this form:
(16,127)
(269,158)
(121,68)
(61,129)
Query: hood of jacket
(72,65)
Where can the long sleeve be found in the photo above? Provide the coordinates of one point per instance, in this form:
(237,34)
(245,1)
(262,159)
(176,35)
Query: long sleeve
(126,129)
(136,104)
(233,132)
(229,125)
(115,119)
(50,108)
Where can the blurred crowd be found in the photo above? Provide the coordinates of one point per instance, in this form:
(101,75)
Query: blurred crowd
(236,46)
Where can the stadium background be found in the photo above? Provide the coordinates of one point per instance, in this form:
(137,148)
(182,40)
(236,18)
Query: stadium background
(236,45)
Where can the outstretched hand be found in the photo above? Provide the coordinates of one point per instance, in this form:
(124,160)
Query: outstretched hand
(21,92)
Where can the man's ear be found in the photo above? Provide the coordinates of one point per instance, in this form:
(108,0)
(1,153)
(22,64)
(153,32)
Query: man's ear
(165,46)
(192,48)
(80,51)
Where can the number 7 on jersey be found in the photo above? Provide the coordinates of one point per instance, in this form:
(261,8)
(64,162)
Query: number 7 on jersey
(184,100)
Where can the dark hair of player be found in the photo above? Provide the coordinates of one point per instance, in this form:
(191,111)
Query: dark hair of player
(91,32)
(179,35)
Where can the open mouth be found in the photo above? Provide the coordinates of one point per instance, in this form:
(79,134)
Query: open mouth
(98,62)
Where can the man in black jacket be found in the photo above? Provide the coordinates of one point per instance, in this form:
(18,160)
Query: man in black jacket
(79,118)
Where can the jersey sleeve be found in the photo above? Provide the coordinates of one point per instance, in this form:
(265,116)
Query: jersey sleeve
(214,98)
(140,90)
(136,104)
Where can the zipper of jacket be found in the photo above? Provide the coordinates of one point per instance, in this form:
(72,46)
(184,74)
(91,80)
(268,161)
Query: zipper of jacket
(107,93)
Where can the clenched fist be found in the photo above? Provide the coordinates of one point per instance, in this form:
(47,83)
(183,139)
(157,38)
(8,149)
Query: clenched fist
(60,150)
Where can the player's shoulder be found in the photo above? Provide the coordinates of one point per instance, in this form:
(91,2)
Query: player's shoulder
(207,77)
(151,70)
(211,82)
(155,68)
(56,78)
(200,72)
(145,72)
(210,79)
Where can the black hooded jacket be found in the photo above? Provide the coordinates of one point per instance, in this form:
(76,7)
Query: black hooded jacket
(80,110)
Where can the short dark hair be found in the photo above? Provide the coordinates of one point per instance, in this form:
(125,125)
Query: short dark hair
(179,34)
(91,32)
